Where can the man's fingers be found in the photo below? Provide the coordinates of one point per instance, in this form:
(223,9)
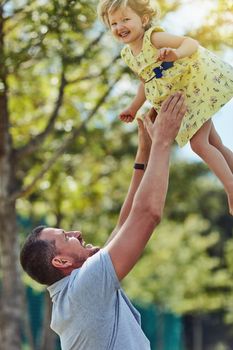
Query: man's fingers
(175,102)
(180,106)
(152,114)
(166,103)
(182,110)
(175,99)
(140,123)
(148,125)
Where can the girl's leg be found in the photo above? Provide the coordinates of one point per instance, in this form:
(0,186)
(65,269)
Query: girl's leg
(216,141)
(200,144)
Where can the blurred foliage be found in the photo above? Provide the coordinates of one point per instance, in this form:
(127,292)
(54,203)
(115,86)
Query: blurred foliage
(218,27)
(177,271)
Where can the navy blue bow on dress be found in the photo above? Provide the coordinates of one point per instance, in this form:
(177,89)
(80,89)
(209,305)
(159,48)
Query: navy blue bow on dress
(159,70)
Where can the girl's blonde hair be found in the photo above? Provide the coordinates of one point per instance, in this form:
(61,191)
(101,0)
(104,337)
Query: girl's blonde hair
(141,7)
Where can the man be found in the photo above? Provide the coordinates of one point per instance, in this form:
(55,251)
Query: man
(90,310)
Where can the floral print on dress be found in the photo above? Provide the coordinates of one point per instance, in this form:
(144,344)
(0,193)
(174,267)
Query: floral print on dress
(205,79)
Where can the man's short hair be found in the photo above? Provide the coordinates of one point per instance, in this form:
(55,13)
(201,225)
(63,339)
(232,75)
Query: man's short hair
(36,258)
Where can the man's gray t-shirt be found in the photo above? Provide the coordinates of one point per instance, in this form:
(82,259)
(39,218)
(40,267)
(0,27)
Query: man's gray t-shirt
(91,312)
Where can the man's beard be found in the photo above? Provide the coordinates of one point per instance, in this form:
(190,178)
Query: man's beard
(94,250)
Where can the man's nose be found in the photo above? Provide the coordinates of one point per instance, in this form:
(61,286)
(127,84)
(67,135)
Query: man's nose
(74,233)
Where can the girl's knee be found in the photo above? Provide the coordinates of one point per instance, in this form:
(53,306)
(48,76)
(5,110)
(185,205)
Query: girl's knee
(216,141)
(196,145)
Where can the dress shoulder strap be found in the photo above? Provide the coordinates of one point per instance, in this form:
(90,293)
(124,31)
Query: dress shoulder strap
(124,51)
(125,54)
(147,36)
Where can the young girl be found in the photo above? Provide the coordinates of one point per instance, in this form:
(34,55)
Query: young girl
(166,63)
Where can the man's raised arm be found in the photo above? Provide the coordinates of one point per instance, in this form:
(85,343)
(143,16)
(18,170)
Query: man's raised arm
(148,203)
(142,156)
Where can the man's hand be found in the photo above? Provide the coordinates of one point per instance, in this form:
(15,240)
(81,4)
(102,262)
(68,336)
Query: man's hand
(167,123)
(144,140)
(152,114)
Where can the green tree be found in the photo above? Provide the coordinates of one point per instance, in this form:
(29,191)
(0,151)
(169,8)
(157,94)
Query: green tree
(229,263)
(46,73)
(177,272)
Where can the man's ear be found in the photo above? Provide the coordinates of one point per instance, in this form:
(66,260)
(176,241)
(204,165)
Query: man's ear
(61,262)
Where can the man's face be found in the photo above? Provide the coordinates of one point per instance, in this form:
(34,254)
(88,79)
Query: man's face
(70,245)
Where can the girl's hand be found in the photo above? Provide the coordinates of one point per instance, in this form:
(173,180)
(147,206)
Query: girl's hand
(168,54)
(128,115)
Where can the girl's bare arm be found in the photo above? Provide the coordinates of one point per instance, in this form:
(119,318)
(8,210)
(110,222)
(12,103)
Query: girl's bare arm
(173,47)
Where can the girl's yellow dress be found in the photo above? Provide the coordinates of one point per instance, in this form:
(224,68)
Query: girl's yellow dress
(205,79)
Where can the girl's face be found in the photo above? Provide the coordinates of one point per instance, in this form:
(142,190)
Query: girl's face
(126,25)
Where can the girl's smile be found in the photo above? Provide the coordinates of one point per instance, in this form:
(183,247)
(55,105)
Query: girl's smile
(127,27)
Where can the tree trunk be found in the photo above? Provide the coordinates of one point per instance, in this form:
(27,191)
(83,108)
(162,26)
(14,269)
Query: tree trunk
(10,293)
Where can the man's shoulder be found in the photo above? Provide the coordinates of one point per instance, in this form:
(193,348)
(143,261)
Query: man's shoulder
(101,261)
(95,282)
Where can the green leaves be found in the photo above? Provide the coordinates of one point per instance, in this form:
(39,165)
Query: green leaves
(178,273)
